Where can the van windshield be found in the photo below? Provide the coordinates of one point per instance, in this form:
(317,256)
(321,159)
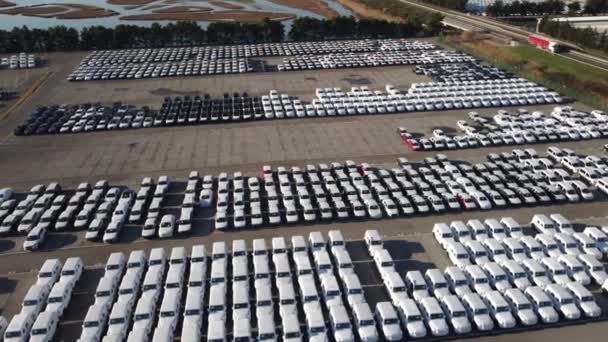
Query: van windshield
(216,308)
(390,321)
(39,331)
(193,312)
(482,311)
(167,314)
(30,302)
(141,317)
(269,336)
(91,324)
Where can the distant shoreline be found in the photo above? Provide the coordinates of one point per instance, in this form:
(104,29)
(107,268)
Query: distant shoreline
(230,16)
(61,11)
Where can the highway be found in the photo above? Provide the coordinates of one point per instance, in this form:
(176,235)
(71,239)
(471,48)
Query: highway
(462,20)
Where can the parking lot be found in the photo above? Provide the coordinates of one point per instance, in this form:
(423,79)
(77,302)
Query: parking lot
(125,157)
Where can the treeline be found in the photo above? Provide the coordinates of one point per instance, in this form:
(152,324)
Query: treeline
(451,4)
(525,8)
(347,27)
(60,38)
(585,37)
(596,6)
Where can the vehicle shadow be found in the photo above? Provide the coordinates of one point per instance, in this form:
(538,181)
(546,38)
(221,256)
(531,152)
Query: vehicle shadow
(6,245)
(130,233)
(58,240)
(7,285)
(402,249)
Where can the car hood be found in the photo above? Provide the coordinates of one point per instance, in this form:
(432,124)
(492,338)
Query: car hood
(438,327)
(527,317)
(548,314)
(461,324)
(570,311)
(591,309)
(416,329)
(368,334)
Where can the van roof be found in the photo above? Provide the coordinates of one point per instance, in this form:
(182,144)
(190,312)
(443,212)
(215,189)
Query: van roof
(60,287)
(473,299)
(342,256)
(170,303)
(509,222)
(145,303)
(105,283)
(95,312)
(352,281)
(452,303)
(316,237)
(259,245)
(290,323)
(558,291)
(335,236)
(120,308)
(286,290)
(386,310)
(18,322)
(72,262)
(278,243)
(408,307)
(194,299)
(178,253)
(216,332)
(240,294)
(157,253)
(362,311)
(217,294)
(198,251)
(542,217)
(516,296)
(298,241)
(136,256)
(34,292)
(241,328)
(337,314)
(559,218)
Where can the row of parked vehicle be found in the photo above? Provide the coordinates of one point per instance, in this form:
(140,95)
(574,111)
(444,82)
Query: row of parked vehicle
(45,302)
(371,59)
(87,72)
(343,191)
(194,61)
(200,53)
(591,169)
(486,299)
(20,61)
(520,127)
(287,289)
(468,71)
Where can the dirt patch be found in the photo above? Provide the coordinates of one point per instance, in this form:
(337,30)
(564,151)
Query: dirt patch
(227,16)
(166,92)
(226,5)
(61,11)
(183,9)
(4,3)
(316,6)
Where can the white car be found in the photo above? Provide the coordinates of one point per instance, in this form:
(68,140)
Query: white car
(167,226)
(206,198)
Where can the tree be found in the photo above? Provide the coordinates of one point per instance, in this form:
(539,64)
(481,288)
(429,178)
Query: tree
(574,8)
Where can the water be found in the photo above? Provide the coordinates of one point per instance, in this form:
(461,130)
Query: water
(8,22)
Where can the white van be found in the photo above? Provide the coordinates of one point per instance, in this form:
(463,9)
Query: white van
(373,240)
(340,324)
(120,317)
(517,274)
(291,328)
(416,285)
(266,329)
(219,250)
(575,269)
(514,229)
(153,281)
(557,272)
(178,256)
(145,313)
(563,301)
(499,309)
(496,250)
(315,325)
(477,251)
(336,240)
(217,303)
(434,316)
(354,290)
(259,247)
(218,271)
(395,285)
(287,299)
(562,224)
(129,287)
(542,304)
(240,302)
(35,299)
(584,299)
(59,297)
(322,262)
(478,279)
(49,272)
(343,262)
(263,299)
(594,268)
(388,321)
(437,283)
(330,290)
(239,251)
(544,224)
(497,230)
(514,249)
(193,317)
(587,245)
(521,307)
(411,318)
(384,261)
(298,245)
(309,295)
(217,332)
(105,293)
(498,277)
(443,234)
(157,259)
(71,270)
(549,245)
(536,272)
(480,231)
(567,244)
(456,314)
(94,323)
(457,281)
(198,255)
(532,247)
(282,268)
(18,329)
(364,322)
(260,267)
(302,262)
(279,246)
(316,241)
(460,231)
(477,311)
(458,255)
(241,330)
(196,278)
